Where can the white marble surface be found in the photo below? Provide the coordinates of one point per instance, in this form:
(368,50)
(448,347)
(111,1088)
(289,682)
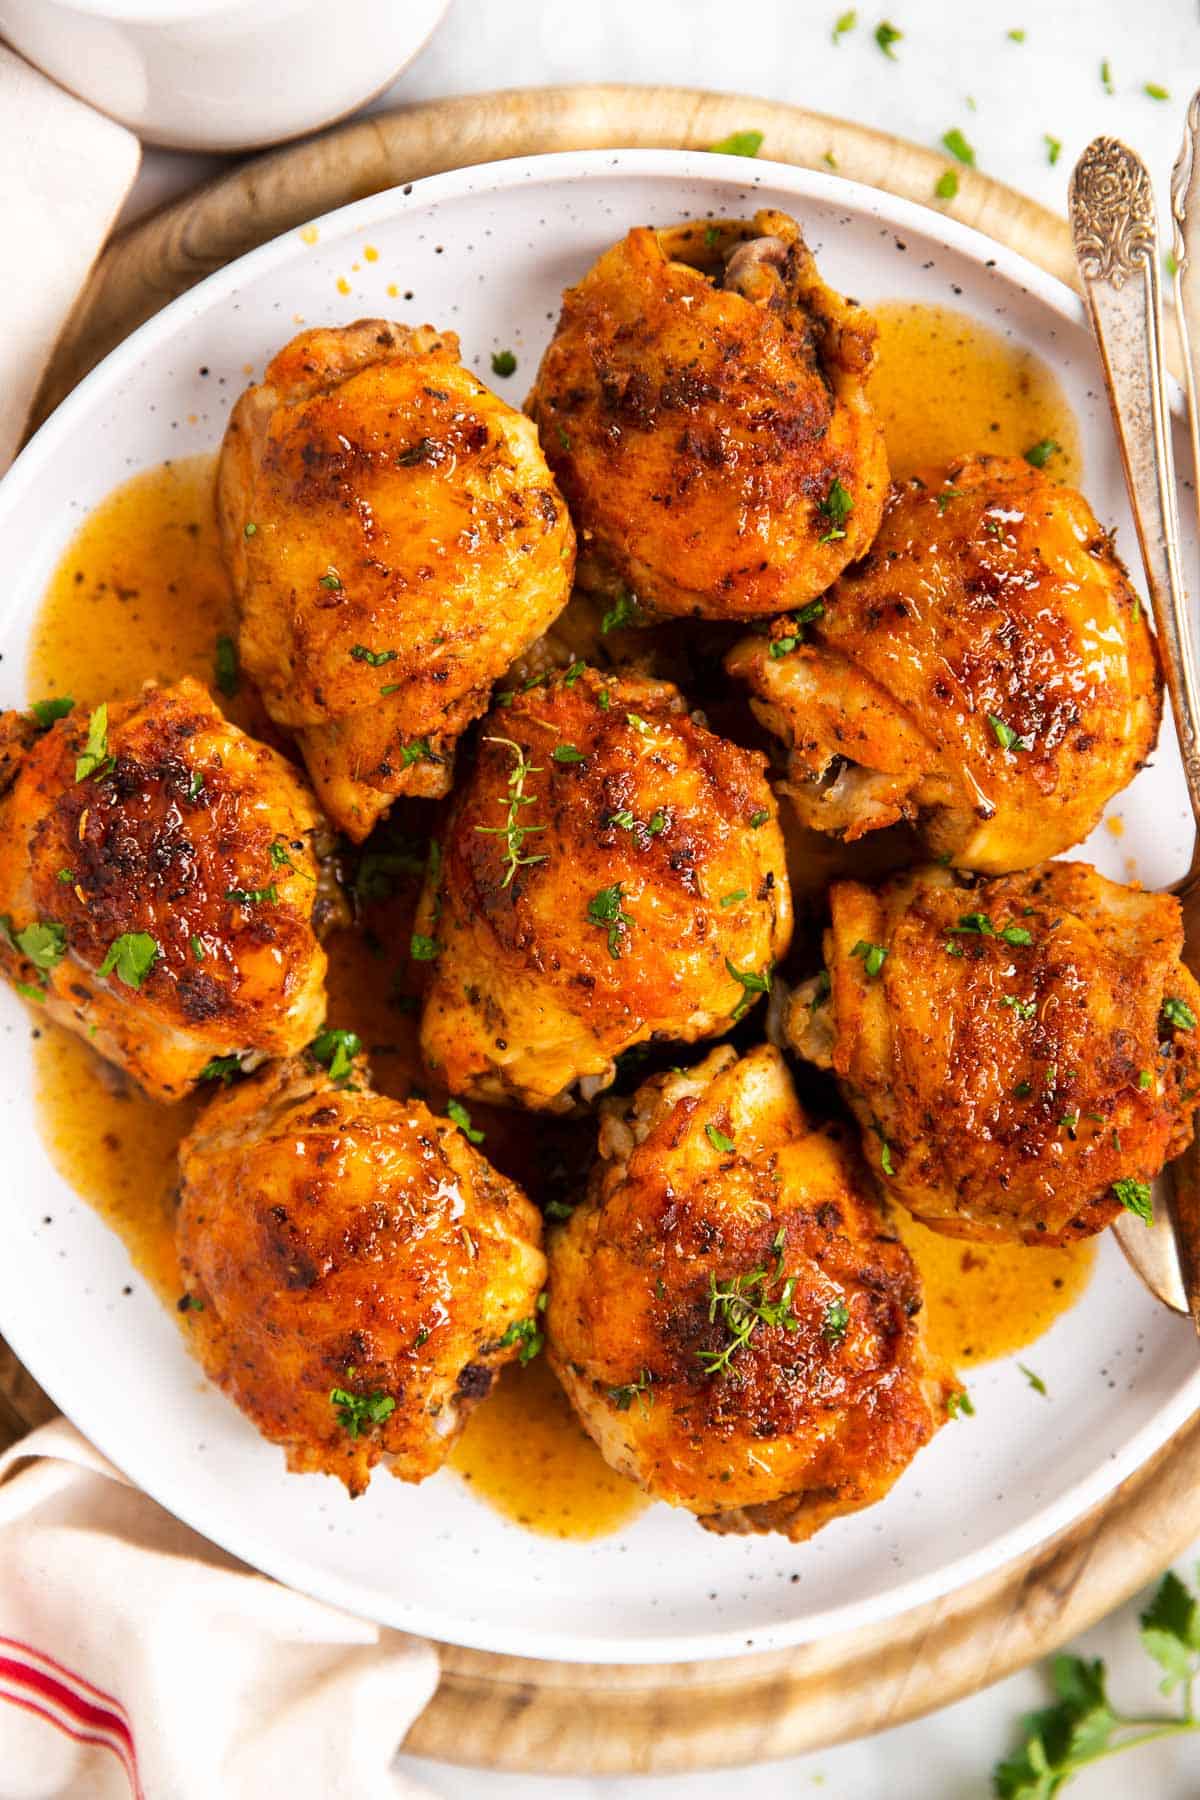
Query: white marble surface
(955,66)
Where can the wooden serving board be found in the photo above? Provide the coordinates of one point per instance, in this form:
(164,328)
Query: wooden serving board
(510,1713)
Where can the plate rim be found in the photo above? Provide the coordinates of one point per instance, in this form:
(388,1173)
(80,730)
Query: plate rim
(347,1594)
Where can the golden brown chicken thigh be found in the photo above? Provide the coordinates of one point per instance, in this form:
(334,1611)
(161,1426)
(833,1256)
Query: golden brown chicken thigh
(985,668)
(395,539)
(357,1273)
(703,405)
(730,1313)
(158,883)
(1022,1054)
(611,872)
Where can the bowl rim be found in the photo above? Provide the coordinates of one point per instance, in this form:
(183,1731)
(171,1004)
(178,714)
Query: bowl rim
(254,1545)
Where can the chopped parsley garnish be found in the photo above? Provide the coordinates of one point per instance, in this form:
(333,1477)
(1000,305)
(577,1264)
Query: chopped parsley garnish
(948,494)
(783,646)
(1035,1381)
(44,945)
(885,1157)
(263,896)
(66,876)
(226,670)
(29,992)
(1135,1197)
(335,1050)
(1156,91)
(960,1405)
(1005,736)
(873,955)
(132,956)
(621,613)
(657,823)
(249,529)
(946,188)
(423,949)
(573,673)
(45,712)
(845,22)
(954,141)
(504,363)
(981,925)
(837,1318)
(751,982)
(1178,1013)
(417,750)
(1017,35)
(1022,1090)
(718,1140)
(525,1332)
(567,753)
(1145,1079)
(375,659)
(639,724)
(1053,147)
(885,36)
(221,1068)
(605,909)
(358,1412)
(1039,454)
(837,506)
(640,1390)
(196,945)
(331,580)
(95,758)
(759,818)
(1024,1009)
(1106,80)
(458,1114)
(739,143)
(733,898)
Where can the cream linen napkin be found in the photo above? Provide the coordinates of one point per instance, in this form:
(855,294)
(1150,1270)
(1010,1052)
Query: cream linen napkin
(135,1658)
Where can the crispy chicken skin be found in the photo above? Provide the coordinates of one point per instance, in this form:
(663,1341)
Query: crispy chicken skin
(806,1391)
(342,1251)
(395,539)
(985,668)
(189,846)
(649,863)
(702,395)
(1023,1089)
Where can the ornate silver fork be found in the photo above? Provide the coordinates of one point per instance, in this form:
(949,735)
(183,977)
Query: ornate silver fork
(1115,228)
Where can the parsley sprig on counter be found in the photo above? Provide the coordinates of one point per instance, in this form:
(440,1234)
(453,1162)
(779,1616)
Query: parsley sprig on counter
(1083,1726)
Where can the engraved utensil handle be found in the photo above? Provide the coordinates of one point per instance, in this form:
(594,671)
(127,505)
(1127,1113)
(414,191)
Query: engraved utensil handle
(1116,248)
(1115,230)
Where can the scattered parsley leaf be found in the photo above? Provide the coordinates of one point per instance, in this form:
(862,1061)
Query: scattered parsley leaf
(733,898)
(1053,148)
(225,1069)
(45,712)
(504,363)
(331,580)
(226,670)
(336,1050)
(954,141)
(837,506)
(621,613)
(718,1140)
(885,36)
(423,949)
(263,896)
(132,956)
(358,1412)
(639,1390)
(1106,80)
(1005,736)
(526,1333)
(1039,454)
(837,1318)
(567,753)
(1135,1197)
(946,188)
(375,659)
(843,23)
(458,1114)
(751,982)
(1156,91)
(960,1405)
(1178,1013)
(44,945)
(94,759)
(873,955)
(1035,1381)
(759,818)
(739,143)
(1017,36)
(605,909)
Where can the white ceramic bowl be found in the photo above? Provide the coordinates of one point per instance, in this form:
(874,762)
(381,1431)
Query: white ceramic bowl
(487,251)
(221,74)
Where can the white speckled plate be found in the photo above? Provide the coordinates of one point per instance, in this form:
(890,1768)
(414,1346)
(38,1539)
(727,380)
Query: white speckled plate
(487,251)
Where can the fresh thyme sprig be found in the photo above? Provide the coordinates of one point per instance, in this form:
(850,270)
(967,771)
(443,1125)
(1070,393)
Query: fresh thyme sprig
(1084,1727)
(512,830)
(742,1305)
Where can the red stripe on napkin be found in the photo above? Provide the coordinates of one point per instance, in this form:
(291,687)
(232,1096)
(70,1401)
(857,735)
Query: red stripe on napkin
(67,1703)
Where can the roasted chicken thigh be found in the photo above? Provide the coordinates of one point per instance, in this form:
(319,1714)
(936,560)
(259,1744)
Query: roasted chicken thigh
(611,872)
(985,669)
(703,405)
(1021,1053)
(395,539)
(158,884)
(734,1320)
(356,1272)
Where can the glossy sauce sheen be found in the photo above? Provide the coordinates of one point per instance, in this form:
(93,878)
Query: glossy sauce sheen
(141,593)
